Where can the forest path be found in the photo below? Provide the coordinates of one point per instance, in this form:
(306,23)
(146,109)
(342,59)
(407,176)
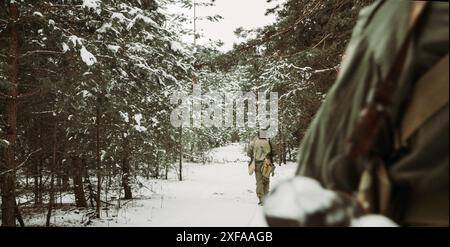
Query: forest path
(219,193)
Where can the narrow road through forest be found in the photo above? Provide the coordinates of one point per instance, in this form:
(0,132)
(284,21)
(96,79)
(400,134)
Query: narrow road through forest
(219,193)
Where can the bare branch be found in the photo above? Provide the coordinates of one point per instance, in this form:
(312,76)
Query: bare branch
(50,71)
(322,40)
(43,52)
(46,70)
(4,21)
(43,112)
(21,164)
(26,95)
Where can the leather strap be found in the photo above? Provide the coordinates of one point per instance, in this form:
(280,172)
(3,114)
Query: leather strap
(430,94)
(373,115)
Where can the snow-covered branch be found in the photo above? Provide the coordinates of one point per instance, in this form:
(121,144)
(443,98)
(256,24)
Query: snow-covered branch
(105,56)
(326,70)
(43,52)
(52,5)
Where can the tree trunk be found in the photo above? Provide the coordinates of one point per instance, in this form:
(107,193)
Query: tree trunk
(98,158)
(65,180)
(27,182)
(289,153)
(92,196)
(166,166)
(41,182)
(85,172)
(8,177)
(126,178)
(107,179)
(36,175)
(126,171)
(51,199)
(147,173)
(158,165)
(19,216)
(78,189)
(180,174)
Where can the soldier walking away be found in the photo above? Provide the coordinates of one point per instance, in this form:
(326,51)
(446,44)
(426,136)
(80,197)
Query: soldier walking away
(261,152)
(381,136)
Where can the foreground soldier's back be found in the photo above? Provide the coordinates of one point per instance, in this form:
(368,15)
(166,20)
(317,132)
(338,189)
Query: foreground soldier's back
(417,166)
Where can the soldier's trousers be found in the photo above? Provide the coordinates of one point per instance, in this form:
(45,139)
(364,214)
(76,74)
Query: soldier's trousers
(262,183)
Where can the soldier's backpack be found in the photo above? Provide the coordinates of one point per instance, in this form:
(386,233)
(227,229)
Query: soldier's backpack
(268,166)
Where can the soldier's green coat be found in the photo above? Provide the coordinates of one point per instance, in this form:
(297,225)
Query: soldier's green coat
(420,169)
(259,149)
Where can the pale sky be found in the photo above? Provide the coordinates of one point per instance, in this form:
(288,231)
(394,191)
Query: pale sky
(236,13)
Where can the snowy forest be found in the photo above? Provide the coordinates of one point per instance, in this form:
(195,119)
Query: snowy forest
(85,105)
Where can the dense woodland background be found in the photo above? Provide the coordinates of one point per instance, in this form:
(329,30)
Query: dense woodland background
(85,86)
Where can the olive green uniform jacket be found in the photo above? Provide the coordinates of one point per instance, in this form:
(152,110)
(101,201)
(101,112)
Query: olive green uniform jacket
(419,171)
(260,149)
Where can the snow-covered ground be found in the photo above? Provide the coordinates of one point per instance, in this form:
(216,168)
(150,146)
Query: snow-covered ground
(217,194)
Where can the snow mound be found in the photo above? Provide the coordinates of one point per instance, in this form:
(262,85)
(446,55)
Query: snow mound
(176,46)
(234,152)
(145,19)
(286,200)
(87,57)
(92,4)
(138,127)
(4,143)
(119,16)
(114,48)
(373,221)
